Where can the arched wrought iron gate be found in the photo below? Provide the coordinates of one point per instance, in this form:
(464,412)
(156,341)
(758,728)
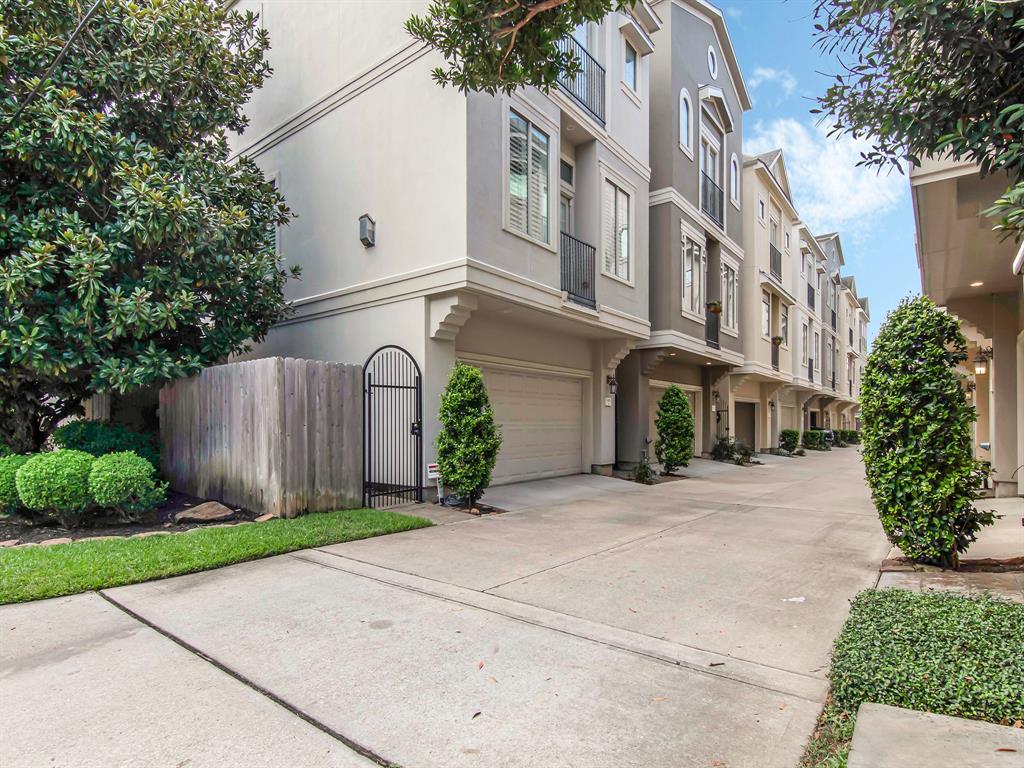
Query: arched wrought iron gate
(393,429)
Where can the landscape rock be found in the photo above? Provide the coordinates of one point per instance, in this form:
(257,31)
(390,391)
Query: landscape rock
(147,534)
(58,540)
(10,543)
(263,518)
(208,512)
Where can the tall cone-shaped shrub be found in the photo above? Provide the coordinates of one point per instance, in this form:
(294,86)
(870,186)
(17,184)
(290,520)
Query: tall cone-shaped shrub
(674,446)
(468,445)
(917,435)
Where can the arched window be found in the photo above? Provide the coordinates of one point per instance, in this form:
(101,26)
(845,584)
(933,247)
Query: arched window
(734,180)
(685,122)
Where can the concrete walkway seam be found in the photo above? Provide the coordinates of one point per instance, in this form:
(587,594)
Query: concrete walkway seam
(291,708)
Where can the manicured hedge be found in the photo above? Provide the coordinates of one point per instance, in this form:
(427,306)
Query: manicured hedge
(789,439)
(9,500)
(101,437)
(56,483)
(125,482)
(815,440)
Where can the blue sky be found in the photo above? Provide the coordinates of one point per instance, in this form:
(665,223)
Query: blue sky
(774,41)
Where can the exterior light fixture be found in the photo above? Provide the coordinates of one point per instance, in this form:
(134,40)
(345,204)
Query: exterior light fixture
(981,360)
(613,385)
(367,231)
(977,284)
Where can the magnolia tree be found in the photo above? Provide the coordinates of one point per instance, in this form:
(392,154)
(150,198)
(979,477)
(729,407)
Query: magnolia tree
(917,435)
(674,422)
(498,45)
(132,249)
(931,77)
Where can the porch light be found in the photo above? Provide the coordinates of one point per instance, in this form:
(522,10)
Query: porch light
(367,231)
(613,385)
(981,361)
(977,284)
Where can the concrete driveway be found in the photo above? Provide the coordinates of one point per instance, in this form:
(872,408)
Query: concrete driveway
(685,624)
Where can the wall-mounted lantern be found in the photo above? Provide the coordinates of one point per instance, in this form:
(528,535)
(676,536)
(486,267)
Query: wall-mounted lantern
(613,385)
(367,231)
(981,360)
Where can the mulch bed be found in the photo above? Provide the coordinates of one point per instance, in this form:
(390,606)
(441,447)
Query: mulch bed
(967,565)
(161,519)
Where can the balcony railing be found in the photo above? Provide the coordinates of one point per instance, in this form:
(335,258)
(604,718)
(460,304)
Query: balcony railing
(775,356)
(587,85)
(810,368)
(833,382)
(850,382)
(578,270)
(851,335)
(712,322)
(775,262)
(810,296)
(711,198)
(833,319)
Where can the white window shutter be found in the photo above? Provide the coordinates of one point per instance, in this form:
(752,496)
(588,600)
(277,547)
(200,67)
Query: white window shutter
(538,210)
(608,227)
(622,229)
(518,162)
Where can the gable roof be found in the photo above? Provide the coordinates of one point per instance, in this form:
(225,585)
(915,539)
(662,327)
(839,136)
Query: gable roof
(717,19)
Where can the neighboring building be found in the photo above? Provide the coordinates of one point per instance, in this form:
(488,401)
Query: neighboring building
(586,248)
(696,229)
(511,231)
(977,276)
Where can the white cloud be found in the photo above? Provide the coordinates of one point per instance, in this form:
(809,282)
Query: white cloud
(829,189)
(783,78)
(733,12)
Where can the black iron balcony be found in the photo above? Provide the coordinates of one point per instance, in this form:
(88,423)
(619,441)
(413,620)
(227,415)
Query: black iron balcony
(712,322)
(851,335)
(711,198)
(578,270)
(833,319)
(810,368)
(850,382)
(775,258)
(810,296)
(833,382)
(587,85)
(775,356)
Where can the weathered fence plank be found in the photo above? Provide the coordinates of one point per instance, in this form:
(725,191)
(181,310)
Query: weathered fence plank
(277,435)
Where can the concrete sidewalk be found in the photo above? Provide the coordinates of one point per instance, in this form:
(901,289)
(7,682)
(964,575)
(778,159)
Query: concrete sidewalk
(684,624)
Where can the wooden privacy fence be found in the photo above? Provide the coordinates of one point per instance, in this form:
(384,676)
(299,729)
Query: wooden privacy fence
(276,435)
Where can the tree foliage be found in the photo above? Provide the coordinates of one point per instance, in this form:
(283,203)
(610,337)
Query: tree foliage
(467,447)
(917,435)
(931,77)
(674,422)
(499,45)
(133,250)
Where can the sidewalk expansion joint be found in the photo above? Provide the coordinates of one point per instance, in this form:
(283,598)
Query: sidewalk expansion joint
(283,703)
(710,663)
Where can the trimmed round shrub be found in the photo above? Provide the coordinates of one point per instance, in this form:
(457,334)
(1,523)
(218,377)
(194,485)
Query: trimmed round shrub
(126,483)
(674,446)
(916,434)
(815,440)
(9,501)
(100,438)
(468,445)
(789,439)
(56,483)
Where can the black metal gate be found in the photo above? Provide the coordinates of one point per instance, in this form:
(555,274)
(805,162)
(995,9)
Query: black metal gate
(392,429)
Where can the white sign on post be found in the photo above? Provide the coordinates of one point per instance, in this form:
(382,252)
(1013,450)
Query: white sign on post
(434,473)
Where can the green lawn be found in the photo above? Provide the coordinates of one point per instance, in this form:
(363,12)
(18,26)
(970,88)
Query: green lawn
(32,573)
(933,652)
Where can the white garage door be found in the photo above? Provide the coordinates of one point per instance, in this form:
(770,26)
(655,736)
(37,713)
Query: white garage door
(541,418)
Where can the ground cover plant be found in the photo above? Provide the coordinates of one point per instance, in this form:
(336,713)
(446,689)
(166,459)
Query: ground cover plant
(933,652)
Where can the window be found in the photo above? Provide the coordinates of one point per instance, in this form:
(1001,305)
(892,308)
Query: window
(817,345)
(685,122)
(730,288)
(766,313)
(629,69)
(787,242)
(566,203)
(712,62)
(615,243)
(566,172)
(803,342)
(760,209)
(709,150)
(565,217)
(527,178)
(784,325)
(734,180)
(695,263)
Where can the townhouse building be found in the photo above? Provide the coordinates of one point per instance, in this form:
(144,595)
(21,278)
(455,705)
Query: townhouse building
(586,247)
(510,232)
(978,277)
(696,231)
